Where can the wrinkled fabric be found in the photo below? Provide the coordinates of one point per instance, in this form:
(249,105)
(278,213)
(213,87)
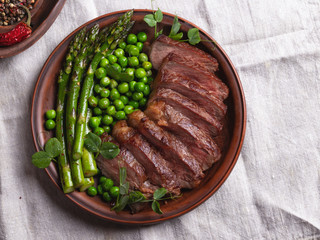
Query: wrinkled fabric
(274,190)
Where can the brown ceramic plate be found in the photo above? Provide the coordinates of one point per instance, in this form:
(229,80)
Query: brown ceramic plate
(44,98)
(44,14)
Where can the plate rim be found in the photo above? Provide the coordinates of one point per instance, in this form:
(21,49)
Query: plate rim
(226,173)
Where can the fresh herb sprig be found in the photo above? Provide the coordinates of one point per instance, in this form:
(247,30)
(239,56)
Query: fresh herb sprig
(52,149)
(126,197)
(152,20)
(94,144)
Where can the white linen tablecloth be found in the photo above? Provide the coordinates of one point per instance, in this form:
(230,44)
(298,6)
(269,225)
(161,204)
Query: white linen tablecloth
(273,191)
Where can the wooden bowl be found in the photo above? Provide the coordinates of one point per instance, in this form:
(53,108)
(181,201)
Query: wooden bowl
(36,7)
(44,98)
(43,15)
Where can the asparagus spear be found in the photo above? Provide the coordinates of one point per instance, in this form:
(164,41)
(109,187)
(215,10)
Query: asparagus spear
(63,164)
(118,32)
(72,101)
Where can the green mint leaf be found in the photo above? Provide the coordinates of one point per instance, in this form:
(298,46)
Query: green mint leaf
(53,147)
(136,196)
(159,193)
(122,175)
(158,16)
(194,36)
(92,142)
(175,27)
(177,36)
(124,199)
(156,207)
(149,19)
(109,150)
(124,188)
(41,159)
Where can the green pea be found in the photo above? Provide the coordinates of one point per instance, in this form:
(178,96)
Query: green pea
(129,94)
(104,103)
(93,101)
(107,120)
(123,61)
(134,51)
(133,61)
(130,71)
(107,129)
(114,191)
(97,111)
(113,83)
(92,191)
(134,104)
(112,59)
(114,94)
(97,88)
(118,104)
(123,87)
(144,79)
(51,114)
(124,99)
(140,73)
(139,46)
(131,85)
(139,87)
(117,67)
(143,102)
(100,73)
(128,47)
(99,189)
(94,122)
(143,57)
(132,39)
(107,185)
(102,179)
(119,52)
(99,131)
(111,110)
(122,45)
(146,90)
(136,96)
(104,82)
(50,124)
(150,80)
(149,73)
(106,197)
(120,115)
(142,36)
(105,93)
(147,65)
(128,109)
(104,62)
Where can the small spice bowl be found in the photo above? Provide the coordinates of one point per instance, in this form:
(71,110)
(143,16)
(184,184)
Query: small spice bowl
(36,6)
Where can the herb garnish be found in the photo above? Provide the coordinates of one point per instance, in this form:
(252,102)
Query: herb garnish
(52,149)
(156,17)
(93,143)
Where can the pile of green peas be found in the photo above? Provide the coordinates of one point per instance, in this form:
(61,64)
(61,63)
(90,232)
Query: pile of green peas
(114,100)
(105,189)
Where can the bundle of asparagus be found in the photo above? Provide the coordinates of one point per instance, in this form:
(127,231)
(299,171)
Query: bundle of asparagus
(76,164)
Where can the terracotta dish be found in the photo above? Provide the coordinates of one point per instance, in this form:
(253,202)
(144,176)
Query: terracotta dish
(43,15)
(44,98)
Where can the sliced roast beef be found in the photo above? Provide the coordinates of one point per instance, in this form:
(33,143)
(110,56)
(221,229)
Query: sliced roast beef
(136,174)
(196,139)
(186,166)
(176,64)
(157,168)
(173,76)
(164,45)
(188,108)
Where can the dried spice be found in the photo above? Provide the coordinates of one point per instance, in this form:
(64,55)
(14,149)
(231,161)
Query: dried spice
(10,13)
